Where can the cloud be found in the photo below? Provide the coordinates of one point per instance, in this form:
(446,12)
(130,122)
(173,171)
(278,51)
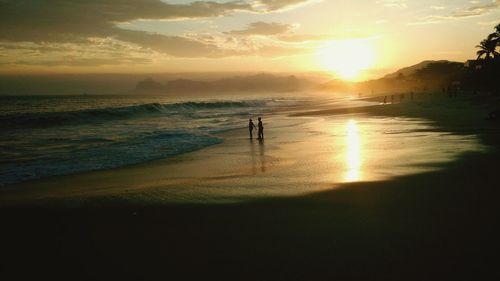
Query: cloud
(174,45)
(58,20)
(393,3)
(277,51)
(279,5)
(476,10)
(78,61)
(465,12)
(262,28)
(74,21)
(438,7)
(299,38)
(488,23)
(44,22)
(95,52)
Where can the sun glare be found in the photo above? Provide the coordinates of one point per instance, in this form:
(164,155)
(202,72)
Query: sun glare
(353,152)
(347,58)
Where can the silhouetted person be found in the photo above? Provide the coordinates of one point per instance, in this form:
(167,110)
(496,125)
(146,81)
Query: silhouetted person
(392,98)
(261,130)
(251,126)
(385,99)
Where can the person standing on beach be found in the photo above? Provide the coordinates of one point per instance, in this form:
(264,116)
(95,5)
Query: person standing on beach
(251,126)
(261,130)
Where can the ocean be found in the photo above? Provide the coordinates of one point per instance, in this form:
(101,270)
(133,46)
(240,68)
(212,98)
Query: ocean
(45,136)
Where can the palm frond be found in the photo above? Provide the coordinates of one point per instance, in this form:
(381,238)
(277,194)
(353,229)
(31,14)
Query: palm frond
(493,36)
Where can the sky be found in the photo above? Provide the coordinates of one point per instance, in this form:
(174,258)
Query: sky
(353,40)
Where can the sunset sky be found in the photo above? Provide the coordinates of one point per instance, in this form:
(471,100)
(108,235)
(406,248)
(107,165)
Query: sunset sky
(352,39)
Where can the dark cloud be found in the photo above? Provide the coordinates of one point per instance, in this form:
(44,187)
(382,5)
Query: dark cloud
(69,54)
(263,28)
(105,13)
(79,61)
(77,21)
(173,45)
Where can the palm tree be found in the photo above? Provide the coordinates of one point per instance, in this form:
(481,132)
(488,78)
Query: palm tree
(495,36)
(487,49)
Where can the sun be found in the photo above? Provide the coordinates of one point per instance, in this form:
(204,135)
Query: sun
(346,58)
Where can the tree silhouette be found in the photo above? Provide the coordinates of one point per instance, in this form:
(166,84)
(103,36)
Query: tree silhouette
(487,49)
(495,36)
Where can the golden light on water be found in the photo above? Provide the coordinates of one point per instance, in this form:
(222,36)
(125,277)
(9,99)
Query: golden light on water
(353,152)
(347,58)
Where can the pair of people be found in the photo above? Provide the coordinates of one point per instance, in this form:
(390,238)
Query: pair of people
(260,128)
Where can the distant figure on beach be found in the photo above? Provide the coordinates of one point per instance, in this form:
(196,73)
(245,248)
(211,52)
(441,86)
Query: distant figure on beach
(251,126)
(392,98)
(385,99)
(261,130)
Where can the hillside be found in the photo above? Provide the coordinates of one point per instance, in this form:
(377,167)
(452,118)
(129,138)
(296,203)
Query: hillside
(254,83)
(424,76)
(410,70)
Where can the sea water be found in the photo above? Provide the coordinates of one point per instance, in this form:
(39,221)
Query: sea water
(58,135)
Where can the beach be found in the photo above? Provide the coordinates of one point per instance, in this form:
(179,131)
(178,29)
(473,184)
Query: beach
(249,140)
(367,191)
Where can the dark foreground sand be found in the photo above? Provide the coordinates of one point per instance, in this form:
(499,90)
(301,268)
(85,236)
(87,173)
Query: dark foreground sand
(438,225)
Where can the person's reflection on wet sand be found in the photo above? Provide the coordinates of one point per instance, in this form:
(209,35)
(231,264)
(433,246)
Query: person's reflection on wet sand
(262,154)
(253,158)
(258,158)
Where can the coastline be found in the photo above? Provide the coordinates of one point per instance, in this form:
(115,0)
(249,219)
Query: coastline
(436,224)
(238,161)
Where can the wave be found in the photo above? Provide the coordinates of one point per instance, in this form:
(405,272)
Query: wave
(48,119)
(104,154)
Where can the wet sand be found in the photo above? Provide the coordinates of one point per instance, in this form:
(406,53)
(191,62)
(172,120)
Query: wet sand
(306,149)
(283,219)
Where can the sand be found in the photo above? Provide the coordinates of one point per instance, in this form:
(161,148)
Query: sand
(297,207)
(307,149)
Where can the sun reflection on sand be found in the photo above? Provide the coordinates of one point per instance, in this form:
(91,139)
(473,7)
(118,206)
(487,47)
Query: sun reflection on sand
(353,152)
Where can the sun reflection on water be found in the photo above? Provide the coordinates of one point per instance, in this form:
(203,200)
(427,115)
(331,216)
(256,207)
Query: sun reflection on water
(353,152)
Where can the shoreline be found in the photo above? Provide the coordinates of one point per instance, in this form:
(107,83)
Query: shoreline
(114,185)
(438,224)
